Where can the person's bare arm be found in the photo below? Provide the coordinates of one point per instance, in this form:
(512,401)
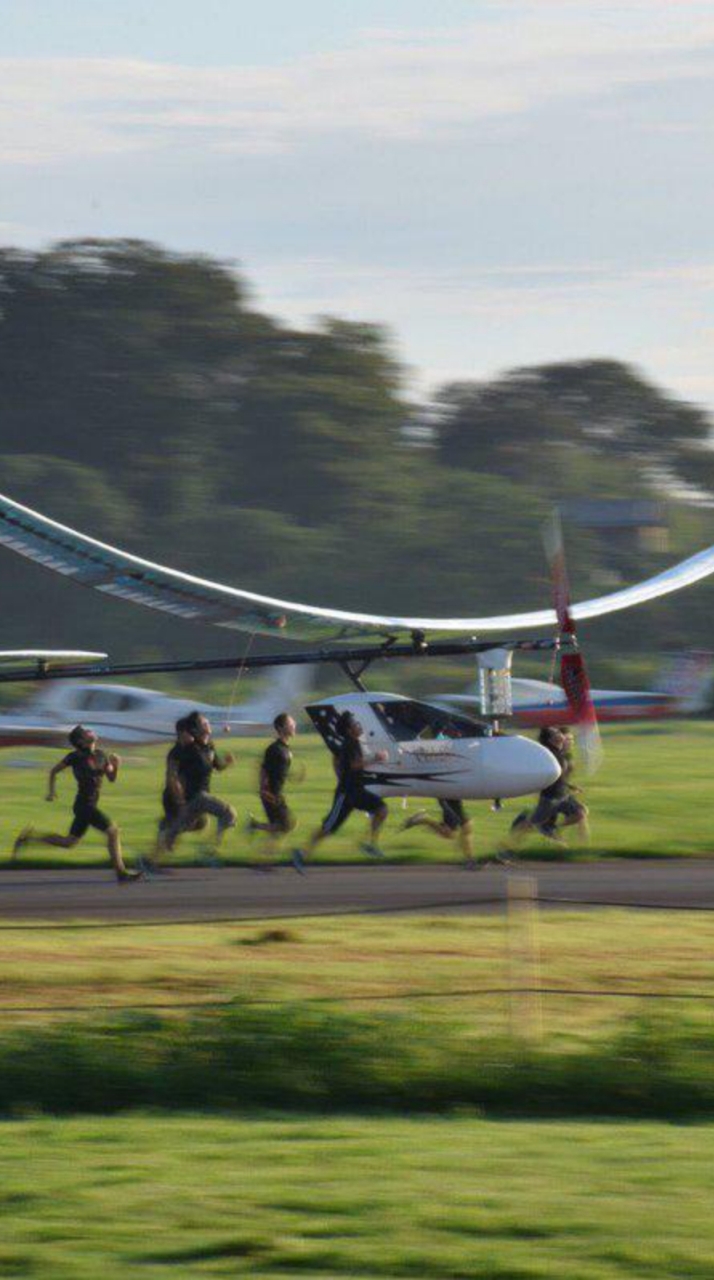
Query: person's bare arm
(111,768)
(173,782)
(221,762)
(51,788)
(264,786)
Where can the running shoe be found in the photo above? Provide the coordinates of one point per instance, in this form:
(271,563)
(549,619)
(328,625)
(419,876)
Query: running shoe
(503,858)
(372,850)
(128,876)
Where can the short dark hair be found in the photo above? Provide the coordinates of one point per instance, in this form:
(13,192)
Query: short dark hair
(76,734)
(345,722)
(192,719)
(182,725)
(280,721)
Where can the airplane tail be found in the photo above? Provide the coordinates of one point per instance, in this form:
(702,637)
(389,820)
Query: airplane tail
(688,677)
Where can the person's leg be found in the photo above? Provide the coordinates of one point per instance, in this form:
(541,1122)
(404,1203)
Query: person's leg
(30,836)
(378,820)
(466,843)
(520,828)
(341,809)
(423,820)
(224,813)
(115,852)
(283,822)
(576,814)
(378,811)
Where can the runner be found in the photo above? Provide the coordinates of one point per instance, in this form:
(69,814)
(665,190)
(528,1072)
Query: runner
(572,811)
(90,767)
(558,799)
(192,770)
(454,821)
(351,793)
(172,800)
(274,771)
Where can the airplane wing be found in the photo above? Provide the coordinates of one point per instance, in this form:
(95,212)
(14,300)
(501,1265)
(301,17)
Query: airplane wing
(50,657)
(115,572)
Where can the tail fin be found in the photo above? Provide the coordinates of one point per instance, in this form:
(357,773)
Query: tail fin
(285,691)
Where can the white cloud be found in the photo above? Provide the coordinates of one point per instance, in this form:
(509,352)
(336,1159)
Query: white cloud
(388,85)
(309,286)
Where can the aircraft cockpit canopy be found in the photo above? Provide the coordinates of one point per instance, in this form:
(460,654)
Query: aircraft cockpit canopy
(406,721)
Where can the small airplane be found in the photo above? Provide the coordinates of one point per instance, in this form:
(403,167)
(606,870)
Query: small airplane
(28,731)
(683,688)
(422,761)
(128,714)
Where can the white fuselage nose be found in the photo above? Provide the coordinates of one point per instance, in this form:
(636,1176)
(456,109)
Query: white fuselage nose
(466,769)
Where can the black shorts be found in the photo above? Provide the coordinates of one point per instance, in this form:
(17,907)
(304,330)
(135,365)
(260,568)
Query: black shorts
(453,814)
(571,807)
(546,810)
(86,816)
(278,814)
(345,803)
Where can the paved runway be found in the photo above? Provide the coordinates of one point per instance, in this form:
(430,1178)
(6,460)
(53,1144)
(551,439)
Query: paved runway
(232,893)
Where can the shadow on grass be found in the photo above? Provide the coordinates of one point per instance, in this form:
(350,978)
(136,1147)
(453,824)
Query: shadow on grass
(302,1058)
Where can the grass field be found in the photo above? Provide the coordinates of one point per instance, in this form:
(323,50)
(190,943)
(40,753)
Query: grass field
(653,797)
(436,966)
(450,1197)
(355,1197)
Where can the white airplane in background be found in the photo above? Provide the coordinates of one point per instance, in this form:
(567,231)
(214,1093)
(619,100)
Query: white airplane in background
(27,731)
(683,688)
(122,713)
(485,764)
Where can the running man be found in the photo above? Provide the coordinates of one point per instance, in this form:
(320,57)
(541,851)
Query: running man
(351,793)
(189,775)
(454,822)
(571,810)
(90,767)
(172,798)
(274,771)
(558,799)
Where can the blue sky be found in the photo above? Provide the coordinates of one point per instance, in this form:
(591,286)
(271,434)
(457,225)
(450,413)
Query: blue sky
(500,184)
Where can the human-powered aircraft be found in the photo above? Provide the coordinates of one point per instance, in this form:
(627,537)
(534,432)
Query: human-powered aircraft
(339,633)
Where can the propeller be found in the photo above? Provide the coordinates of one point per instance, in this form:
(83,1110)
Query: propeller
(573,673)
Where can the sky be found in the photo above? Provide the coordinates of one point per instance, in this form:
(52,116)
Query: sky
(500,183)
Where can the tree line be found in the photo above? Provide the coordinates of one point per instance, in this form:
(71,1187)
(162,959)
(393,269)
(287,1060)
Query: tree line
(145,399)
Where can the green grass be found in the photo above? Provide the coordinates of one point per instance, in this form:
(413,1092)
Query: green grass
(437,1199)
(649,799)
(402,1013)
(369,963)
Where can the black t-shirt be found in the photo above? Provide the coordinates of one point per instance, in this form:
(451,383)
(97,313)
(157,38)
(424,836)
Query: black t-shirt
(196,763)
(276,763)
(173,766)
(88,768)
(559,788)
(350,754)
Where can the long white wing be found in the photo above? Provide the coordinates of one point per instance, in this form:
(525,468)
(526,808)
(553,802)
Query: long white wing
(117,573)
(50,657)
